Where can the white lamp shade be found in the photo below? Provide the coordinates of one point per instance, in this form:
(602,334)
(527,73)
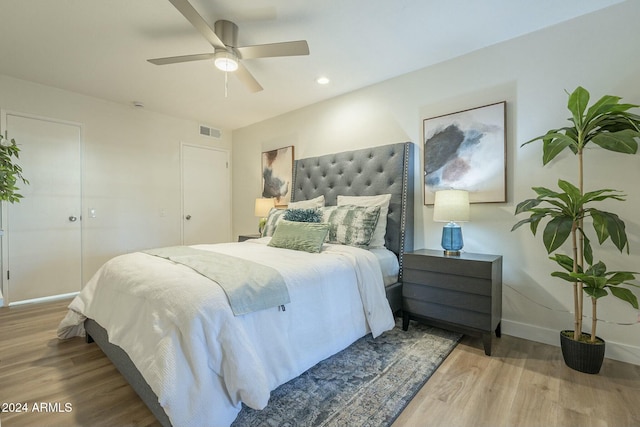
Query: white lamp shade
(451,205)
(263,206)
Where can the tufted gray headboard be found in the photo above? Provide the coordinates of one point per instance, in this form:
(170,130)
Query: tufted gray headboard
(366,172)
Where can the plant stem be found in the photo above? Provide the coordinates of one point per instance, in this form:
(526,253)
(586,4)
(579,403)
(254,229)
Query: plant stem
(580,254)
(577,317)
(594,318)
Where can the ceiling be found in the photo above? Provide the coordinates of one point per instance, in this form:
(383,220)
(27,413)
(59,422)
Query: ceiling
(100,47)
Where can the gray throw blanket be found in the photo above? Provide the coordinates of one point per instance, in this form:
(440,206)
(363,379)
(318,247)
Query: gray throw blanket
(249,286)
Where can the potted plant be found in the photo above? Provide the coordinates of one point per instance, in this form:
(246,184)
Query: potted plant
(10,172)
(608,124)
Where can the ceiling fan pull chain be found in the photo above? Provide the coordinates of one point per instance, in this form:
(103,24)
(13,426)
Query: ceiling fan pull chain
(226,84)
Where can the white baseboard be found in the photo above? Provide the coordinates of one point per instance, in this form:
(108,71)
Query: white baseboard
(44,299)
(617,351)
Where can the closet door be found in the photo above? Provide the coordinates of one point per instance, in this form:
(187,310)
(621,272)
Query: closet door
(43,231)
(206,195)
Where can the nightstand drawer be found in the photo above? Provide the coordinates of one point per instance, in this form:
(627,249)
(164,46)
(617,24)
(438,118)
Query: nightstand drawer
(472,319)
(447,297)
(471,265)
(454,282)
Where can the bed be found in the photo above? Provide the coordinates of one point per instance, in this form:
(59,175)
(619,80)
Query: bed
(241,361)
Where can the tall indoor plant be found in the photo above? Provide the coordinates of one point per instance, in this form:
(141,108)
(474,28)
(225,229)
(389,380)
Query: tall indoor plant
(10,172)
(608,124)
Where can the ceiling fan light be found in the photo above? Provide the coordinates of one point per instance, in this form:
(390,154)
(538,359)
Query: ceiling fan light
(225,61)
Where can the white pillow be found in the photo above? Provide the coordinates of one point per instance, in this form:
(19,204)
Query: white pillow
(318,202)
(377,241)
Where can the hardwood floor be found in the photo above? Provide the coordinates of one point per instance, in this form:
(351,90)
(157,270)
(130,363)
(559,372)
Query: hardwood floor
(523,384)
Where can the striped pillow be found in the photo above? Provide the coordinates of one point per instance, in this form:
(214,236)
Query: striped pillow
(351,225)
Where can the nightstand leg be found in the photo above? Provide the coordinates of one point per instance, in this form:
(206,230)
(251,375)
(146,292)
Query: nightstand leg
(405,320)
(486,342)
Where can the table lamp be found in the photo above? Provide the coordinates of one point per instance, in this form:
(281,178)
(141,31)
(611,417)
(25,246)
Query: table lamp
(262,208)
(451,206)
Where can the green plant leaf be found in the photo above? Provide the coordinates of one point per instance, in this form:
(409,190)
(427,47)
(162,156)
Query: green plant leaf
(619,277)
(599,269)
(621,142)
(617,232)
(587,251)
(556,232)
(565,276)
(526,205)
(577,104)
(603,105)
(554,145)
(599,225)
(574,198)
(544,192)
(564,261)
(625,295)
(595,292)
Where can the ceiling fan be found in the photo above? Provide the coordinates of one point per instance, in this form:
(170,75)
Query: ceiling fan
(227,54)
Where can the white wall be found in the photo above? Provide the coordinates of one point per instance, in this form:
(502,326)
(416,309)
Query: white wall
(598,51)
(131,167)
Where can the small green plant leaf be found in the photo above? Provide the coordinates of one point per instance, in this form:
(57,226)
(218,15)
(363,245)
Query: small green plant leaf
(625,295)
(556,232)
(527,205)
(578,101)
(595,292)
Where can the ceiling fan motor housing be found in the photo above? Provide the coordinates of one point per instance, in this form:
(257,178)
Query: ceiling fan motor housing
(227,31)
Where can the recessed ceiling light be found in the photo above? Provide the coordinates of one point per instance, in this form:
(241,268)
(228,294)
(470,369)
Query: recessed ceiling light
(323,80)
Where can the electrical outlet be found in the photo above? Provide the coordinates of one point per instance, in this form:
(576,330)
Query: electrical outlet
(92,213)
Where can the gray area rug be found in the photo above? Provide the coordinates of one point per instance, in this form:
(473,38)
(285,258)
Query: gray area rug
(367,384)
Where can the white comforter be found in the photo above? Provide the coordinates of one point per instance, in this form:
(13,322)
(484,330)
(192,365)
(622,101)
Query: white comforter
(200,359)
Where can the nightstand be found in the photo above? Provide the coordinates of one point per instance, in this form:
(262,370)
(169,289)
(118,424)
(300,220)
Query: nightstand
(243,237)
(461,293)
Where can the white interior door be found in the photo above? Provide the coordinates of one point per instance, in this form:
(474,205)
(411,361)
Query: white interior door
(206,195)
(43,231)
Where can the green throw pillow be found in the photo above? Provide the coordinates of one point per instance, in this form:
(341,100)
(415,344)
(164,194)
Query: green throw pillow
(300,236)
(351,225)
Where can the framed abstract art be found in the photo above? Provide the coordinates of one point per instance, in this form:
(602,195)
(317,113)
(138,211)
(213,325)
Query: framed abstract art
(277,174)
(466,151)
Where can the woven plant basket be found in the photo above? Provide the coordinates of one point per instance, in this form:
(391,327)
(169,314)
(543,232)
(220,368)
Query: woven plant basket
(582,356)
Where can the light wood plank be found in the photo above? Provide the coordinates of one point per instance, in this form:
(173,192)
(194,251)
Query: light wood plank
(522,384)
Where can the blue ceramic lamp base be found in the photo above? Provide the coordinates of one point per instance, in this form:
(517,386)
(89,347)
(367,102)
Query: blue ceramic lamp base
(452,239)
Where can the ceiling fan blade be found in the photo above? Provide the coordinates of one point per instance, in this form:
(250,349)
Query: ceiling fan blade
(294,48)
(178,59)
(247,79)
(185,8)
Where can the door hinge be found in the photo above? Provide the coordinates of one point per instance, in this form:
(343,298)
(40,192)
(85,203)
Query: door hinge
(227,163)
(7,274)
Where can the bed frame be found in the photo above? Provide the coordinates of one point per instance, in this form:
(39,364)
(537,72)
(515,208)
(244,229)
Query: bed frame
(378,170)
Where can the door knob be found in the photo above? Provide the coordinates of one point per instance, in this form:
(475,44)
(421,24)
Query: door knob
(188,217)
(72,218)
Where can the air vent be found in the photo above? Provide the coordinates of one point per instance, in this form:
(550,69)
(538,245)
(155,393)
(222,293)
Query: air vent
(210,132)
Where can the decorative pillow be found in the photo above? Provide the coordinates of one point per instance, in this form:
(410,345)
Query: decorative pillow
(300,236)
(377,241)
(274,217)
(317,202)
(351,225)
(303,215)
